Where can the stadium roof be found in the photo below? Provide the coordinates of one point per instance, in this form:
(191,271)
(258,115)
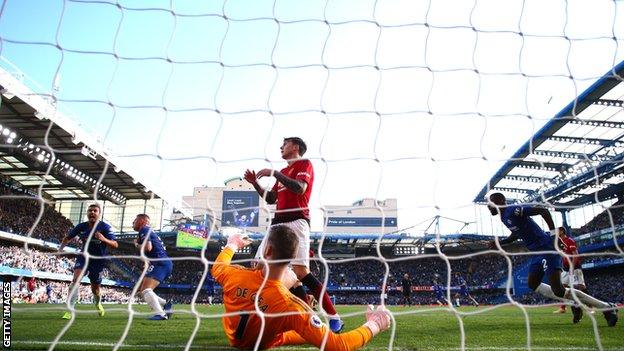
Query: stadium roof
(41,147)
(576,158)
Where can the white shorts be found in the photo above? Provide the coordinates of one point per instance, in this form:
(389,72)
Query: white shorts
(576,278)
(302,229)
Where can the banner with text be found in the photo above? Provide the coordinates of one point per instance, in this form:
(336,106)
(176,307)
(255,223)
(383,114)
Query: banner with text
(361,222)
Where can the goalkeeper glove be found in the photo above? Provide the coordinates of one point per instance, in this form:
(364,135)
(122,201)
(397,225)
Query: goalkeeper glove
(237,241)
(377,320)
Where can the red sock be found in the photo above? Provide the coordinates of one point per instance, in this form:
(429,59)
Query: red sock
(315,287)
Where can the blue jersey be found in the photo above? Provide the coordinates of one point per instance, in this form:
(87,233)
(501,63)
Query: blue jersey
(158,249)
(96,247)
(523,226)
(462,282)
(209,285)
(437,288)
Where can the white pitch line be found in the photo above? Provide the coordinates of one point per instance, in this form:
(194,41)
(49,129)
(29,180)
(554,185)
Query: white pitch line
(140,346)
(181,346)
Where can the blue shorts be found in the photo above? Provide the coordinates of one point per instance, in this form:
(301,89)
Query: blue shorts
(93,270)
(440,297)
(159,270)
(464,291)
(545,264)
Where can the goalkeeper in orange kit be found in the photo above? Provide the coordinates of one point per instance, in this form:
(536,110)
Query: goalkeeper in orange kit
(287,319)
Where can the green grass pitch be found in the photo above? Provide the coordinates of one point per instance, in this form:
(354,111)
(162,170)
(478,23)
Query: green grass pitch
(503,328)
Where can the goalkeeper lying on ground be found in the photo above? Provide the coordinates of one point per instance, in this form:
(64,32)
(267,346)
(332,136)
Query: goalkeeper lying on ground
(288,320)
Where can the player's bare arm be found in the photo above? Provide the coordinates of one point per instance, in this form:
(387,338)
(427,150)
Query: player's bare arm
(508,240)
(269,196)
(294,185)
(540,211)
(66,240)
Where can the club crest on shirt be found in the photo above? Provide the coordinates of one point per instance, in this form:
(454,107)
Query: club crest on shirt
(517,211)
(316,322)
(280,186)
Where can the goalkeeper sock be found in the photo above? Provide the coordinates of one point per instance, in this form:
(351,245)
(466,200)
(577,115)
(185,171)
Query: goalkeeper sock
(152,300)
(585,299)
(97,299)
(315,287)
(299,291)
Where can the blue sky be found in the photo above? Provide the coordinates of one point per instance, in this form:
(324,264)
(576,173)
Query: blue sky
(424,127)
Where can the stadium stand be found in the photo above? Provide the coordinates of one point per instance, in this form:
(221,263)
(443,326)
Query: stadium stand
(18,215)
(603,220)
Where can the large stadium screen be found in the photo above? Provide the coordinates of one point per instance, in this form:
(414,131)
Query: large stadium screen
(240,209)
(191,236)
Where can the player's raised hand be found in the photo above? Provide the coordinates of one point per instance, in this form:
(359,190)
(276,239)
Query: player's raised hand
(250,176)
(237,241)
(266,172)
(377,320)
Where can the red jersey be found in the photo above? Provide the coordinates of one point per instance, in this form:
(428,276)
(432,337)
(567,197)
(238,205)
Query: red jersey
(31,285)
(291,206)
(568,245)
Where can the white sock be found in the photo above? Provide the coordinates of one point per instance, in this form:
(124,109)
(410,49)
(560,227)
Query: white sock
(161,301)
(546,290)
(152,300)
(73,298)
(585,299)
(457,302)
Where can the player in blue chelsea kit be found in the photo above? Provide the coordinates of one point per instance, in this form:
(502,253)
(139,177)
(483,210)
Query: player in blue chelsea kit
(97,237)
(517,218)
(463,290)
(160,267)
(439,291)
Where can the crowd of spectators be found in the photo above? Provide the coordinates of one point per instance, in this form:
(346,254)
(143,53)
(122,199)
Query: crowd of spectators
(603,219)
(56,292)
(48,291)
(36,260)
(19,214)
(606,284)
(479,270)
(418,298)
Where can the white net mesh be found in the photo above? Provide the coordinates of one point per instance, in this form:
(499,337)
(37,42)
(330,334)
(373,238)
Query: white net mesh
(421,102)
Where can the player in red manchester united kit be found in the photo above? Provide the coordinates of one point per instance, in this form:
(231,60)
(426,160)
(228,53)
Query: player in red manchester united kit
(291,193)
(574,279)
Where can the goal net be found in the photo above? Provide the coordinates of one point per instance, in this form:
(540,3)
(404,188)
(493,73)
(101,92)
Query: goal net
(413,115)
